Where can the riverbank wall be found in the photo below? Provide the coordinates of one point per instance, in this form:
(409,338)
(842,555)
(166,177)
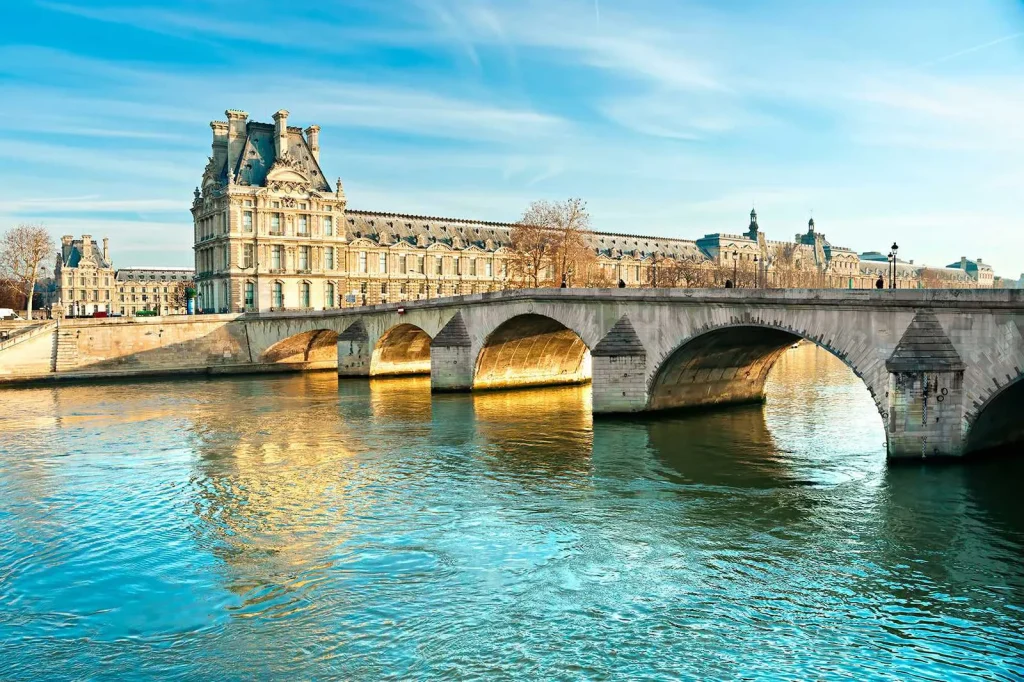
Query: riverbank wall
(90,349)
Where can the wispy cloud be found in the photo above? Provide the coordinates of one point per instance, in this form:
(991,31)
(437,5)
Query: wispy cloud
(664,114)
(973,48)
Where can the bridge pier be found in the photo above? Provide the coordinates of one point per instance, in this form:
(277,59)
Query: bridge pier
(451,357)
(354,351)
(926,378)
(619,367)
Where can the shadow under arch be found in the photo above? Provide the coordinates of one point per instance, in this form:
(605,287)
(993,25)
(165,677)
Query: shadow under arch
(531,350)
(319,346)
(402,350)
(998,425)
(729,365)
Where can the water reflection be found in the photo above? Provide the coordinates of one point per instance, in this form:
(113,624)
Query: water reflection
(305,527)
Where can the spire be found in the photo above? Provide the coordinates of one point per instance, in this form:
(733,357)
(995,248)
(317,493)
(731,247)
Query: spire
(810,225)
(752,229)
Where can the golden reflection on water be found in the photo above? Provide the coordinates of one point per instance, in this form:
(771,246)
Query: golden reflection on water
(302,526)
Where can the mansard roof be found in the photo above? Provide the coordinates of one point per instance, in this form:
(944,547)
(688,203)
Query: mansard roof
(72,255)
(465,233)
(259,157)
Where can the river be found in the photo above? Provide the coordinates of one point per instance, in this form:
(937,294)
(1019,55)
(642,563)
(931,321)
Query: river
(298,527)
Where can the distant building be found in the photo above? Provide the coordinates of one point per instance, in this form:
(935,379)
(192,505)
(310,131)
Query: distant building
(84,276)
(151,289)
(977,270)
(271,233)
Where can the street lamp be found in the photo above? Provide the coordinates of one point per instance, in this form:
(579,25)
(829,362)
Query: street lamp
(895,248)
(756,274)
(735,264)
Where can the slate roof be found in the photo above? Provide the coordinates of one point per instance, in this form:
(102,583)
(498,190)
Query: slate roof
(71,255)
(923,347)
(258,157)
(460,233)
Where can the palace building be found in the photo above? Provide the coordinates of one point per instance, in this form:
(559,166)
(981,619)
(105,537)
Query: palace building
(272,233)
(84,275)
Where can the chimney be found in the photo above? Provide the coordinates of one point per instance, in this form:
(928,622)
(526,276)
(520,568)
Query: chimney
(106,250)
(281,133)
(980,261)
(220,142)
(313,138)
(235,137)
(86,245)
(963,262)
(66,240)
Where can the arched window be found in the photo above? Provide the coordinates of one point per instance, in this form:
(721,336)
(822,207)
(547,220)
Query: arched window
(278,302)
(304,294)
(329,297)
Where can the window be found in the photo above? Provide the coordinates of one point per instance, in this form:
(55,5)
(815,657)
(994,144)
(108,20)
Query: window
(438,265)
(247,255)
(382,263)
(329,257)
(472,267)
(383,288)
(304,291)
(420,260)
(302,206)
(458,265)
(303,258)
(247,221)
(275,223)
(303,226)
(278,295)
(275,204)
(488,268)
(362,261)
(248,202)
(402,264)
(328,209)
(275,257)
(329,297)
(504,269)
(328,225)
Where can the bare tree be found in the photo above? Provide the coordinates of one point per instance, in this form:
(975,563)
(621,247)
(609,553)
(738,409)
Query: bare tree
(550,244)
(24,251)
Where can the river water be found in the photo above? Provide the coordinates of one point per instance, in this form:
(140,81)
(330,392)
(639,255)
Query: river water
(298,527)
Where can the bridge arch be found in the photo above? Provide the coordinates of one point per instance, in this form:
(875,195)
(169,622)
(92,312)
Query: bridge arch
(998,423)
(319,346)
(730,363)
(402,350)
(531,349)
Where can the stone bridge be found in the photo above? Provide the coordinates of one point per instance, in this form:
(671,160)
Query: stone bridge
(943,366)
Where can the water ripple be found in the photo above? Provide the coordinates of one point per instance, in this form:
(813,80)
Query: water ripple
(305,528)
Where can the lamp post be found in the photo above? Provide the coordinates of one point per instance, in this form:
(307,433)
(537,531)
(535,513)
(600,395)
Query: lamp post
(895,248)
(735,265)
(757,277)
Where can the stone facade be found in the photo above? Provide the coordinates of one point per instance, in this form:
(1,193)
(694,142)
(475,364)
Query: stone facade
(150,289)
(84,276)
(977,270)
(272,233)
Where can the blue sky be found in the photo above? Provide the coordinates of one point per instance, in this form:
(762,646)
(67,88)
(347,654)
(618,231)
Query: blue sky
(888,120)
